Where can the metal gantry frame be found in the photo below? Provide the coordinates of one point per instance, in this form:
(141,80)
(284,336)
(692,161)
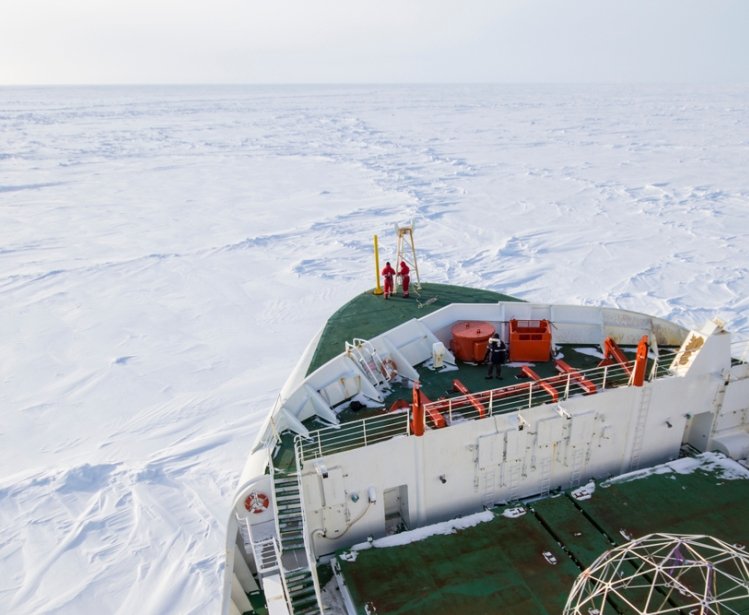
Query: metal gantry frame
(405,239)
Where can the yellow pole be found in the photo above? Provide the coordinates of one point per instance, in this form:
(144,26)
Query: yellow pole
(378,290)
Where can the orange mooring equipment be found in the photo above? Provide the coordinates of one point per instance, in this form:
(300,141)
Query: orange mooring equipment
(469,339)
(432,410)
(530,340)
(461,388)
(566,369)
(544,384)
(613,354)
(417,412)
(641,361)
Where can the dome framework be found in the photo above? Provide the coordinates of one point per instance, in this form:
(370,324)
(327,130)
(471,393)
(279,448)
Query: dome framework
(664,573)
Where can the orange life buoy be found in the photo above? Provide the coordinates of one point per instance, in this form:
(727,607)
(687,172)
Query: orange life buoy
(257,502)
(389,369)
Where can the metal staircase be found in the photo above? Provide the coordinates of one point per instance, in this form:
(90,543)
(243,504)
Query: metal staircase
(301,591)
(298,578)
(378,371)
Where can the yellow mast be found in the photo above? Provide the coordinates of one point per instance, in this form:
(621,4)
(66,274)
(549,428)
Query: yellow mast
(378,289)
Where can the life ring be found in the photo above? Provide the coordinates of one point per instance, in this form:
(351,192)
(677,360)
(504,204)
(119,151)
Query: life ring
(389,369)
(256,502)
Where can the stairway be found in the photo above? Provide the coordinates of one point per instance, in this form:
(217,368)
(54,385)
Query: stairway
(301,590)
(288,511)
(297,576)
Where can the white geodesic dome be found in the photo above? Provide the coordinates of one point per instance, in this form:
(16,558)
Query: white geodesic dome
(664,573)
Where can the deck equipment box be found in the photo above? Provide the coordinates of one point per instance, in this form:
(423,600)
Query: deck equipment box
(530,340)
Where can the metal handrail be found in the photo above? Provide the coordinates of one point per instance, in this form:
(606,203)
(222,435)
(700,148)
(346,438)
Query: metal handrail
(266,562)
(284,582)
(532,393)
(308,547)
(355,434)
(364,432)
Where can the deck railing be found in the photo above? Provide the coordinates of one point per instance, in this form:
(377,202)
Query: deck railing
(353,435)
(364,432)
(522,396)
(266,555)
(536,392)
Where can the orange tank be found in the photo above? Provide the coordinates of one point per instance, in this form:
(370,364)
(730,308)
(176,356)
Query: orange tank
(469,339)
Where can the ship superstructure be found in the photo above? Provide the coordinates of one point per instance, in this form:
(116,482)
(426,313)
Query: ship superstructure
(388,424)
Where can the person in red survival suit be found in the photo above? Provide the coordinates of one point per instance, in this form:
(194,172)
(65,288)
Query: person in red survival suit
(388,273)
(405,277)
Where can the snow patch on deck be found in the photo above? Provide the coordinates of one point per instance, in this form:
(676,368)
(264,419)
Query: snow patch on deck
(585,492)
(404,538)
(724,467)
(591,352)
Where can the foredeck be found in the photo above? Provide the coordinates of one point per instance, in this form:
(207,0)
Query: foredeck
(368,315)
(528,564)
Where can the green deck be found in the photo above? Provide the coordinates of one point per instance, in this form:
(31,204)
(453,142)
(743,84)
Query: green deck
(368,315)
(436,385)
(499,567)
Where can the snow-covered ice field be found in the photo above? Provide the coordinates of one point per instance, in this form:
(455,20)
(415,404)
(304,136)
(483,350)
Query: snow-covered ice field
(167,253)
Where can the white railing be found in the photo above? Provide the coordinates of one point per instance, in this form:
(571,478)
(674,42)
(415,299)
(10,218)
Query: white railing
(266,555)
(365,432)
(536,392)
(284,582)
(308,546)
(351,435)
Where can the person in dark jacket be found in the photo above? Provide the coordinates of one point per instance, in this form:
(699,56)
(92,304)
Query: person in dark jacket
(496,354)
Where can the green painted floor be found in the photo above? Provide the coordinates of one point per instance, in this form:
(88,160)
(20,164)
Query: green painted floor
(368,315)
(483,569)
(499,566)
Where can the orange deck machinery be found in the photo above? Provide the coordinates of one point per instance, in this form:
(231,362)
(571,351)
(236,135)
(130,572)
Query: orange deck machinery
(469,339)
(530,340)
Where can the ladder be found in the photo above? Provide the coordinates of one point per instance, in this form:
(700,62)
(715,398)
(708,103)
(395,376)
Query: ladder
(512,477)
(546,467)
(720,394)
(638,435)
(369,361)
(487,493)
(578,463)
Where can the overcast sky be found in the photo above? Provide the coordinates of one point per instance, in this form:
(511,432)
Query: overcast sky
(366,41)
